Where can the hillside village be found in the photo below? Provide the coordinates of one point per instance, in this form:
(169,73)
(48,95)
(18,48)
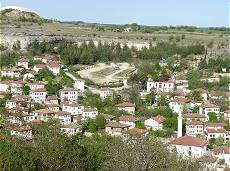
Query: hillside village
(30,100)
(179,98)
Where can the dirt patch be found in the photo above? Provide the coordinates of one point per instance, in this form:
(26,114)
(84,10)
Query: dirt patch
(105,73)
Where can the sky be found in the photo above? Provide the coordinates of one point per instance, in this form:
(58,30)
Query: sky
(201,13)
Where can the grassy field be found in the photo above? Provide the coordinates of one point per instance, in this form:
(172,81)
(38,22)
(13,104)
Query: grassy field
(103,72)
(123,73)
(86,31)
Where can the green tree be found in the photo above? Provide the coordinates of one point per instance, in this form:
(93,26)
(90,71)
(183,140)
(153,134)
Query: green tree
(162,101)
(212,117)
(45,74)
(170,123)
(26,90)
(100,121)
(140,125)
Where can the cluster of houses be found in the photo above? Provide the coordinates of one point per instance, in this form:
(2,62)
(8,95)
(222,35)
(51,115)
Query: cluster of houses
(66,109)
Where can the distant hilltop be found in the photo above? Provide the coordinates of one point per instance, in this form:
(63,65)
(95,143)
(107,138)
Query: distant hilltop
(22,9)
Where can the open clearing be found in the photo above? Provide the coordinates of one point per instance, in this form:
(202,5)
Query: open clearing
(105,73)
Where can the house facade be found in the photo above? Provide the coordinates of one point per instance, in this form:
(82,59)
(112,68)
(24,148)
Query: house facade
(69,94)
(190,147)
(38,95)
(128,107)
(155,123)
(166,86)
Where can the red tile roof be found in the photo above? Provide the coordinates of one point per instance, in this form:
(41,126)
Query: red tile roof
(40,65)
(221,149)
(68,89)
(126,104)
(220,130)
(209,105)
(116,125)
(128,118)
(194,123)
(62,113)
(169,81)
(159,118)
(189,141)
(180,100)
(39,90)
(54,65)
(193,116)
(208,159)
(44,111)
(210,124)
(38,83)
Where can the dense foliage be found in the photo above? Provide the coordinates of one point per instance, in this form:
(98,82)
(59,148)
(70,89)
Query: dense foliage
(89,53)
(51,150)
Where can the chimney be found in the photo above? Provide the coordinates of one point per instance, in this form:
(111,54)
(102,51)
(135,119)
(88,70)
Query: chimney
(179,126)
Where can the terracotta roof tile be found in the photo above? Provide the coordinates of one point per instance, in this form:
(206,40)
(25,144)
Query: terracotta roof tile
(116,125)
(126,104)
(128,118)
(189,141)
(221,149)
(220,130)
(159,118)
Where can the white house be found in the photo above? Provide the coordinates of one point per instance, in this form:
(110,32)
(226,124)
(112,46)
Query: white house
(194,104)
(5,86)
(53,107)
(115,128)
(79,85)
(43,114)
(38,95)
(128,120)
(37,85)
(126,106)
(11,72)
(63,117)
(11,104)
(30,75)
(52,100)
(38,67)
(105,92)
(165,86)
(54,68)
(24,132)
(16,86)
(177,105)
(209,125)
(23,63)
(69,94)
(70,129)
(195,117)
(222,153)
(189,146)
(73,107)
(28,118)
(215,133)
(89,113)
(208,107)
(155,123)
(194,128)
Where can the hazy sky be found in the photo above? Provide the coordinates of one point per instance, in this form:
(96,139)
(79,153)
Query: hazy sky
(149,12)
